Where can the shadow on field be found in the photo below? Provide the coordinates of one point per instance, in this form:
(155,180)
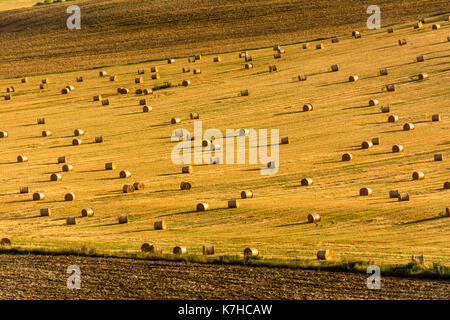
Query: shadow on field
(292,224)
(189,212)
(424,220)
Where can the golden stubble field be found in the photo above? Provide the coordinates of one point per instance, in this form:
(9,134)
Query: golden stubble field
(274,221)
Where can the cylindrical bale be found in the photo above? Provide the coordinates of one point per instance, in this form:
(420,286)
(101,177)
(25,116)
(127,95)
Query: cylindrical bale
(319,46)
(390,87)
(8,96)
(147,91)
(436,117)
(397,148)
(394,194)
(447,212)
(114,78)
(314,217)
(365,192)
(180,250)
(324,255)
(408,127)
(246,194)
(435,26)
(43,86)
(392,118)
(69,196)
(3,134)
(45,212)
(175,120)
(124,174)
(46,133)
(154,69)
(248,58)
(418,25)
(139,186)
(155,249)
(185,185)
(139,79)
(423,76)
(186,83)
(402,42)
(67,167)
(385,109)
(187,169)
(102,73)
(24,189)
(216,59)
(155,76)
(376,141)
(334,67)
(194,115)
(302,77)
(62,159)
(420,59)
(447,185)
(285,140)
(390,30)
(418,259)
(353,78)
(208,250)
(347,157)
(160,225)
(202,206)
(307,181)
(272,68)
(334,40)
(244,92)
(22,159)
(105,102)
(128,188)
(242,54)
(77,142)
(248,65)
(252,252)
(404,196)
(305,45)
(145,247)
(71,220)
(197,71)
(55,177)
(384,72)
(41,121)
(206,143)
(38,196)
(366,144)
(143,102)
(99,139)
(418,175)
(110,166)
(307,107)
(97,98)
(78,132)
(88,212)
(438,157)
(233,203)
(25,80)
(5,242)
(123,219)
(65,91)
(373,102)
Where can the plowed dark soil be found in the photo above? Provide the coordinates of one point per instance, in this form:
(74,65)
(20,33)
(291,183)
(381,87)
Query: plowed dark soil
(44,277)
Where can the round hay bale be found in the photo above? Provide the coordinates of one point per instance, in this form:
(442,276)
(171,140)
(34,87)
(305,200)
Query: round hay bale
(420,59)
(24,189)
(10,89)
(302,77)
(436,117)
(160,225)
(307,181)
(307,107)
(197,71)
(22,159)
(110,166)
(366,144)
(5,242)
(139,186)
(105,102)
(285,140)
(186,83)
(46,81)
(141,71)
(334,67)
(97,98)
(77,142)
(194,115)
(319,46)
(38,196)
(147,91)
(143,102)
(187,169)
(155,76)
(385,109)
(353,78)
(202,206)
(373,102)
(62,159)
(128,188)
(233,203)
(314,217)
(423,76)
(354,33)
(67,167)
(394,194)
(114,78)
(334,40)
(125,174)
(206,143)
(99,139)
(208,250)
(175,120)
(185,185)
(347,157)
(242,54)
(365,192)
(447,212)
(180,250)
(418,175)
(305,45)
(404,196)
(69,196)
(45,212)
(154,69)
(43,86)
(408,127)
(102,73)
(41,121)
(246,194)
(397,148)
(46,133)
(244,92)
(217,59)
(123,90)
(251,252)
(55,177)
(272,68)
(123,219)
(139,80)
(145,247)
(197,57)
(248,58)
(78,132)
(186,69)
(418,25)
(438,157)
(417,259)
(447,185)
(392,118)
(376,141)
(155,249)
(383,72)
(25,80)
(248,65)
(277,55)
(88,212)
(8,96)
(390,30)
(435,26)
(3,134)
(390,87)
(324,255)
(402,42)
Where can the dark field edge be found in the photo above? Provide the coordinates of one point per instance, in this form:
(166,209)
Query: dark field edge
(435,271)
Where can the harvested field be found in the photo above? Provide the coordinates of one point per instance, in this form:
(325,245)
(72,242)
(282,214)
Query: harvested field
(44,277)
